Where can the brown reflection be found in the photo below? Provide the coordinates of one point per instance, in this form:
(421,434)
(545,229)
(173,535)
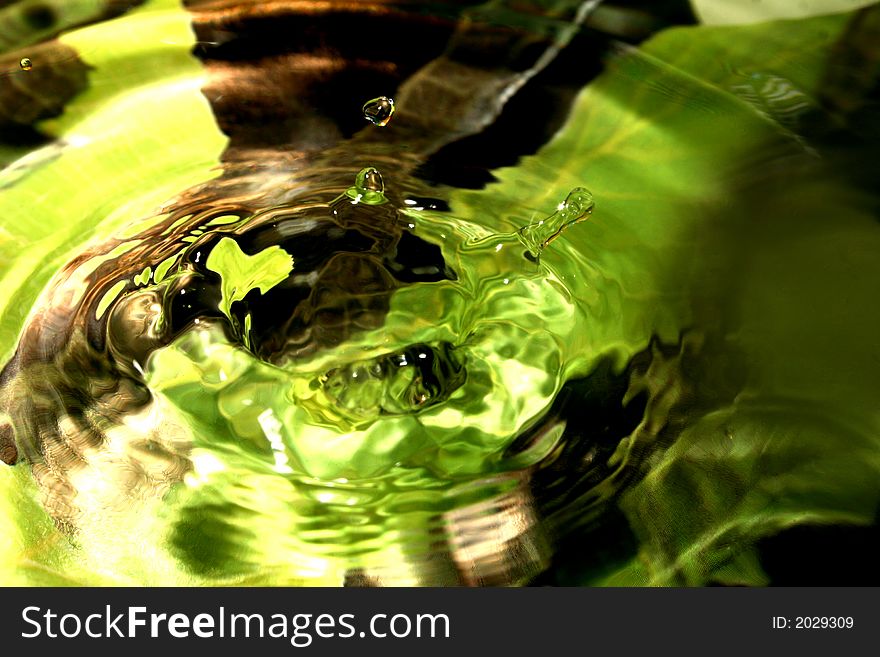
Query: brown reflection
(26,97)
(499,541)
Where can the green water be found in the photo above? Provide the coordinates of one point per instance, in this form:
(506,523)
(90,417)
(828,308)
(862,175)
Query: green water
(310,375)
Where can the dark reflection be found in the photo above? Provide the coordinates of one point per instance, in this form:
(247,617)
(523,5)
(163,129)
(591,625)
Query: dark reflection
(39,17)
(294,76)
(207,539)
(57,76)
(347,264)
(833,555)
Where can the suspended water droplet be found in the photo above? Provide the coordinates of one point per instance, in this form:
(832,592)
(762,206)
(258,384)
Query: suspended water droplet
(378,111)
(368,187)
(576,207)
(26,64)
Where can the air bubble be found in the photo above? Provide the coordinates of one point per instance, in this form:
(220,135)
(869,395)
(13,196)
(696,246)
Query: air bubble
(378,111)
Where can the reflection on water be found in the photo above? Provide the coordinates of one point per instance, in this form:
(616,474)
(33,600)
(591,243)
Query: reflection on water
(262,341)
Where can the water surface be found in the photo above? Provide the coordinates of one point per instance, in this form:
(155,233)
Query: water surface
(594,305)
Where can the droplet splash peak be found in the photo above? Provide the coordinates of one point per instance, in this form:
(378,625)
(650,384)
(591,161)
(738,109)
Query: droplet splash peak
(369,188)
(378,111)
(576,207)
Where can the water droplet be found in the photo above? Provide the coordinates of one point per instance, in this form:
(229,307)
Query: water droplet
(577,206)
(369,188)
(371,180)
(378,111)
(26,64)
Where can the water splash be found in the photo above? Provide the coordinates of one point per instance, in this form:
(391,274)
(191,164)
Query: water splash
(280,465)
(379,111)
(404,382)
(369,188)
(576,207)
